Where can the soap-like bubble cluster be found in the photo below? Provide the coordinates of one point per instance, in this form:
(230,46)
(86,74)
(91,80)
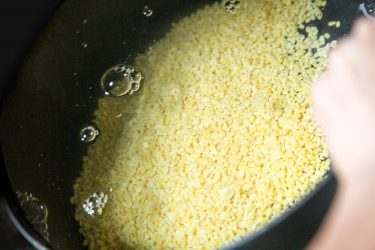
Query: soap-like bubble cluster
(121,80)
(95,204)
(89,134)
(36,212)
(231,6)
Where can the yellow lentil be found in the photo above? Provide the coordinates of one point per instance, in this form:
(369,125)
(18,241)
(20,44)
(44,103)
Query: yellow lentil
(331,23)
(219,140)
(337,24)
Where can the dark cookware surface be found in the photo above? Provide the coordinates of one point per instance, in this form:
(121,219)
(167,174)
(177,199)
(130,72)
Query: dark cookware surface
(56,95)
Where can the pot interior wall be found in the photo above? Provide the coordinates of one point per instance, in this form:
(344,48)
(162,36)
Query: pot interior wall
(58,86)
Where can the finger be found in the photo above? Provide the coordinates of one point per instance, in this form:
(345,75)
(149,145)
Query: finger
(364,30)
(349,70)
(363,48)
(356,67)
(325,102)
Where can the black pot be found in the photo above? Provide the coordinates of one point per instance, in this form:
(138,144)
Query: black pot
(56,93)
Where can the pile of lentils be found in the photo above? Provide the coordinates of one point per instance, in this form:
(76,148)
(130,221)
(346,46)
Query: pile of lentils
(220,138)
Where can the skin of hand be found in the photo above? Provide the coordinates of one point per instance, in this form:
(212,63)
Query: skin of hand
(344,102)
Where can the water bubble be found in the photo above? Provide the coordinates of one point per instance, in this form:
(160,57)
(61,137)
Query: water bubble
(84,44)
(36,212)
(231,6)
(121,80)
(136,76)
(88,134)
(147,11)
(95,204)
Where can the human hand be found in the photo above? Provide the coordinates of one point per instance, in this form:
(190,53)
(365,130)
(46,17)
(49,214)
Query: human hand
(344,102)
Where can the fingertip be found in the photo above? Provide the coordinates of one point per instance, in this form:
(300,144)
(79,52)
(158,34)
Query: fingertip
(314,90)
(315,86)
(322,78)
(342,57)
(318,120)
(319,103)
(317,89)
(336,54)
